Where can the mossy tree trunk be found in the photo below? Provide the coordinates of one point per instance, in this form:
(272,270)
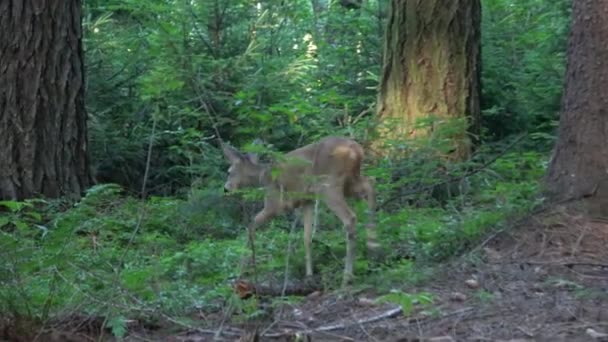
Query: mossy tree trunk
(579,167)
(431,67)
(43,134)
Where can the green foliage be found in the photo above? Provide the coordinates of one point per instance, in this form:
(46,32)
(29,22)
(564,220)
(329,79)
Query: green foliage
(21,215)
(407,301)
(437,226)
(165,77)
(118,325)
(109,246)
(248,70)
(523,53)
(121,257)
(280,71)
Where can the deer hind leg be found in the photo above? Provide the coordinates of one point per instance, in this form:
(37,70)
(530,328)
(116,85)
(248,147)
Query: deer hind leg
(369,192)
(363,188)
(334,198)
(307,211)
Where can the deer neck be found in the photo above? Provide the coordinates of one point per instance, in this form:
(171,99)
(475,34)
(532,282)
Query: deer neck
(264,175)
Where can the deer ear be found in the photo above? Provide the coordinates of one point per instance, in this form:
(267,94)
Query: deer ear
(253,157)
(231,154)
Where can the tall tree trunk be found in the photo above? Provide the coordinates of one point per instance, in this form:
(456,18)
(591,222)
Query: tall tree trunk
(431,66)
(43,135)
(579,167)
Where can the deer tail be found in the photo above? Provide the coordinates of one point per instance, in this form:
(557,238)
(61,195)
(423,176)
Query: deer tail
(344,151)
(351,154)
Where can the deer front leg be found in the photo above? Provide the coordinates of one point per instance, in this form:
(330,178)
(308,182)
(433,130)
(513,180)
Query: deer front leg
(308,213)
(335,200)
(262,217)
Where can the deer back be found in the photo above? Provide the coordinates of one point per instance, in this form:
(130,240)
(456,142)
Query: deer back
(332,161)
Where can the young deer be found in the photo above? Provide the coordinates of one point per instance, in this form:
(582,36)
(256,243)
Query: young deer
(329,169)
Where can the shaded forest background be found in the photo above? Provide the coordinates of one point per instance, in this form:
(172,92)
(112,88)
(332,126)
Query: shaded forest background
(284,73)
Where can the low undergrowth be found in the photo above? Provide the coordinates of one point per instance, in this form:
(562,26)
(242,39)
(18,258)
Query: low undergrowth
(117,257)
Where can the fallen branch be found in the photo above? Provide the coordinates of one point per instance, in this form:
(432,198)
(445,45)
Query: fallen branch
(246,289)
(557,263)
(387,314)
(322,329)
(394,312)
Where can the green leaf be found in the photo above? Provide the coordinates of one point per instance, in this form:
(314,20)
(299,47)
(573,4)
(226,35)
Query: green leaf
(13,206)
(118,325)
(36,216)
(406,300)
(22,226)
(402,299)
(4,220)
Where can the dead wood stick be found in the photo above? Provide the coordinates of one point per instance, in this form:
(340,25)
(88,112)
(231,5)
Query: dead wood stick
(246,289)
(326,328)
(557,263)
(387,314)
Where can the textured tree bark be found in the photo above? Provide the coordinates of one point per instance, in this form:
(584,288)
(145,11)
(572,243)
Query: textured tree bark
(579,167)
(43,135)
(431,66)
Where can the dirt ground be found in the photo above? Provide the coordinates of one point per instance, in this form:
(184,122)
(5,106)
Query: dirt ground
(546,279)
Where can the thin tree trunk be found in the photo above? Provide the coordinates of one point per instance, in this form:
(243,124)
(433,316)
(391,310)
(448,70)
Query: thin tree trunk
(579,167)
(318,9)
(431,66)
(43,135)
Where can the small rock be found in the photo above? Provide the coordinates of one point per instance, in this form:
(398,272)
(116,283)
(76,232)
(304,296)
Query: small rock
(441,339)
(458,297)
(366,301)
(302,337)
(313,295)
(594,334)
(540,271)
(472,283)
(492,254)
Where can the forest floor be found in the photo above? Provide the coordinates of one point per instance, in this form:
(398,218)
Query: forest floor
(544,279)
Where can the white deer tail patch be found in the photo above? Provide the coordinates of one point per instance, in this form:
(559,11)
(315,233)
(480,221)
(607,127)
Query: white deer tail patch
(345,152)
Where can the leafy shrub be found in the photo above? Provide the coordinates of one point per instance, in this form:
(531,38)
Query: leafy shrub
(524,60)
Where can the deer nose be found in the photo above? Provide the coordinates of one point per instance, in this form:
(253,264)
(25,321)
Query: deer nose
(226,190)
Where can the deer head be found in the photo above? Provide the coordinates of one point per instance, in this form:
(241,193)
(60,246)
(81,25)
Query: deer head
(245,169)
